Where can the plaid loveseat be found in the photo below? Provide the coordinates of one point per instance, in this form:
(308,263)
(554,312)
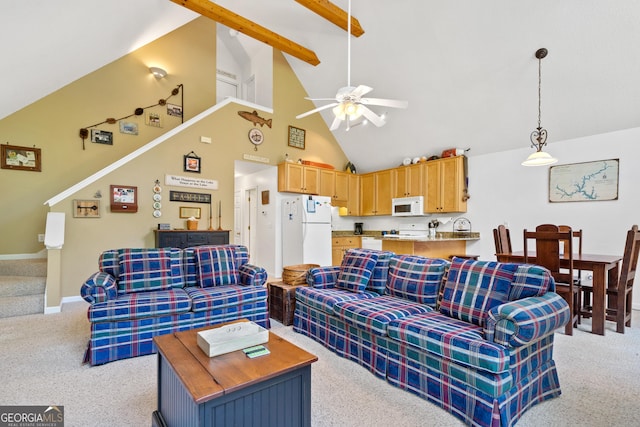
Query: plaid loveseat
(141,293)
(474,337)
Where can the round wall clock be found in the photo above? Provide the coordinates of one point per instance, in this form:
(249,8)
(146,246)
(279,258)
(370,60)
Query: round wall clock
(256,137)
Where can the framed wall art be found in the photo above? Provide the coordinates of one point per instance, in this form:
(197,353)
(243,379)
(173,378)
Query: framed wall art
(86,208)
(192,163)
(296,137)
(124,198)
(130,128)
(20,158)
(189,212)
(584,182)
(101,136)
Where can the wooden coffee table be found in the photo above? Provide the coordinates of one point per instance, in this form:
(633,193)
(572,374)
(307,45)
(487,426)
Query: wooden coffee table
(231,389)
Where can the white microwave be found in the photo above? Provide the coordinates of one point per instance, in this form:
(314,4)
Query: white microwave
(407,206)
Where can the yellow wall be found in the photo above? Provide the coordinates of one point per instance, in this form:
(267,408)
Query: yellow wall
(52,124)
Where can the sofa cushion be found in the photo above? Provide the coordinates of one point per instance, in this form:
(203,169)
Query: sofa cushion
(416,278)
(138,305)
(99,287)
(144,270)
(374,314)
(216,266)
(190,264)
(453,339)
(204,299)
(475,287)
(108,262)
(355,270)
(380,273)
(530,281)
(325,299)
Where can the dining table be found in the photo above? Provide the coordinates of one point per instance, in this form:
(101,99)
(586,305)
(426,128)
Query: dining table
(604,269)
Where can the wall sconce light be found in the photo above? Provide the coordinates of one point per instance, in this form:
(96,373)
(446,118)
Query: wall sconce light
(539,136)
(157,72)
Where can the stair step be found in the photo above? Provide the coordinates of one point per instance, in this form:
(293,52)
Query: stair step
(14,286)
(23,267)
(21,305)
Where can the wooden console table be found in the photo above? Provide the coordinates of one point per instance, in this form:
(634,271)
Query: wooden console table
(231,389)
(185,238)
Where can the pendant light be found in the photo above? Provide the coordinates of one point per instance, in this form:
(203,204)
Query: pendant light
(539,136)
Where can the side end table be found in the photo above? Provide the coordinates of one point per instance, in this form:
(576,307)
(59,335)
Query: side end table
(282,301)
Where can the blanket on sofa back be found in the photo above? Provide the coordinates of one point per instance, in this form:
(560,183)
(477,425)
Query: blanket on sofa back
(476,340)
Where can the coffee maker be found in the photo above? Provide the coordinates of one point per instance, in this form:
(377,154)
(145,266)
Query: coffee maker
(357,228)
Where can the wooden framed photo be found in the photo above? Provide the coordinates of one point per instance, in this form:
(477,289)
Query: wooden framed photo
(20,158)
(101,136)
(86,208)
(192,163)
(296,137)
(124,198)
(189,212)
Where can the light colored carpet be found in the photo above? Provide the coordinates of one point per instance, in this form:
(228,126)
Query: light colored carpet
(41,359)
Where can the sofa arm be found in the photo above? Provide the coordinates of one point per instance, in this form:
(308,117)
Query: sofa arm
(520,322)
(99,287)
(252,275)
(323,277)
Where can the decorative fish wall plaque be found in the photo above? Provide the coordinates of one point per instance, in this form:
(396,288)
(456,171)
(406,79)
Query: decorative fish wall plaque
(254,118)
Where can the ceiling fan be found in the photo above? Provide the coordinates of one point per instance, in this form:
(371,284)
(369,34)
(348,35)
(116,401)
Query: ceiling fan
(349,103)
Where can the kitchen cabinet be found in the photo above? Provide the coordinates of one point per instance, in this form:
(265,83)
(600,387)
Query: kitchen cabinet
(376,192)
(353,201)
(340,245)
(335,185)
(296,178)
(445,185)
(408,180)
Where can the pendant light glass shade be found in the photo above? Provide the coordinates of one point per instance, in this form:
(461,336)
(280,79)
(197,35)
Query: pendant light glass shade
(539,158)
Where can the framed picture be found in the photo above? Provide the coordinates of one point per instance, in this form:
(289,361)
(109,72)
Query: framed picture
(192,163)
(188,212)
(101,136)
(20,158)
(86,208)
(130,128)
(124,198)
(584,182)
(174,110)
(153,119)
(296,137)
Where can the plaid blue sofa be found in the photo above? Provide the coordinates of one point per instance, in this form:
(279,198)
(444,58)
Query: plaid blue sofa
(140,293)
(474,337)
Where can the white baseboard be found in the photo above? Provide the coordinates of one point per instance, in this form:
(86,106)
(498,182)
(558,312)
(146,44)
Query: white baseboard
(57,308)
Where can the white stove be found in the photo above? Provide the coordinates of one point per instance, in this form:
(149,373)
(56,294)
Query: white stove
(415,232)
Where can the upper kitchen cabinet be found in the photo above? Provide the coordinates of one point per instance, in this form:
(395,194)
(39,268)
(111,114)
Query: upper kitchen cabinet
(353,204)
(296,178)
(335,185)
(376,192)
(445,185)
(408,180)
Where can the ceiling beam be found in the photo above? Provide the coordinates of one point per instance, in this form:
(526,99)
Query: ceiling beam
(250,28)
(334,14)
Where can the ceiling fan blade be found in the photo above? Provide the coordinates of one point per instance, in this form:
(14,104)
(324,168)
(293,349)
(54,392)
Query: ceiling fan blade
(372,117)
(361,90)
(336,124)
(315,110)
(393,103)
(320,99)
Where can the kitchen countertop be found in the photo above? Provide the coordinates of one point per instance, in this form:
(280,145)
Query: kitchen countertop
(443,236)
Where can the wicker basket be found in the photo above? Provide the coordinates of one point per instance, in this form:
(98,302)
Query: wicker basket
(296,274)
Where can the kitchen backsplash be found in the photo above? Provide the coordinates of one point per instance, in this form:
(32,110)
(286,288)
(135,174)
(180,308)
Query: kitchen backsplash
(346,223)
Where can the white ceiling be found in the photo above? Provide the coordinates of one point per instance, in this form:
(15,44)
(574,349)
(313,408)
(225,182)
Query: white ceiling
(466,67)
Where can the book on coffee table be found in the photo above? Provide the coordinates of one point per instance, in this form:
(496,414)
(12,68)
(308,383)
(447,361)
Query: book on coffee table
(231,337)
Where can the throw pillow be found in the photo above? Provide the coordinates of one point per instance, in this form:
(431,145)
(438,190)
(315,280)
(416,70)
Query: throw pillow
(144,270)
(216,265)
(416,278)
(475,287)
(355,270)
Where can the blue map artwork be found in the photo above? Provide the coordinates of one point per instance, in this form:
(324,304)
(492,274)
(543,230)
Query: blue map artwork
(581,182)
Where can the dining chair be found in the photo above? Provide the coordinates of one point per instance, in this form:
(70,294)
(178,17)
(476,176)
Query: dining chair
(502,240)
(548,240)
(620,294)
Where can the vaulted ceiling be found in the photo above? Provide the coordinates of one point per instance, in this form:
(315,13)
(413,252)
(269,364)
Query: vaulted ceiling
(467,68)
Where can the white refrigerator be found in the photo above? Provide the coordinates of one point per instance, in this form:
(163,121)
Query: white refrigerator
(306,230)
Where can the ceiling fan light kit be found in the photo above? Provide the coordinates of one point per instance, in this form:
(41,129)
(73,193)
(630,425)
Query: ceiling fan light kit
(539,136)
(349,104)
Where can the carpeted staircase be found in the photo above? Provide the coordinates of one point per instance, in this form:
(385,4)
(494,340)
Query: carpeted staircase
(22,285)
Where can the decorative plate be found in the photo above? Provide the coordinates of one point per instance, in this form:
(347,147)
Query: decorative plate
(157,197)
(157,189)
(157,214)
(157,205)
